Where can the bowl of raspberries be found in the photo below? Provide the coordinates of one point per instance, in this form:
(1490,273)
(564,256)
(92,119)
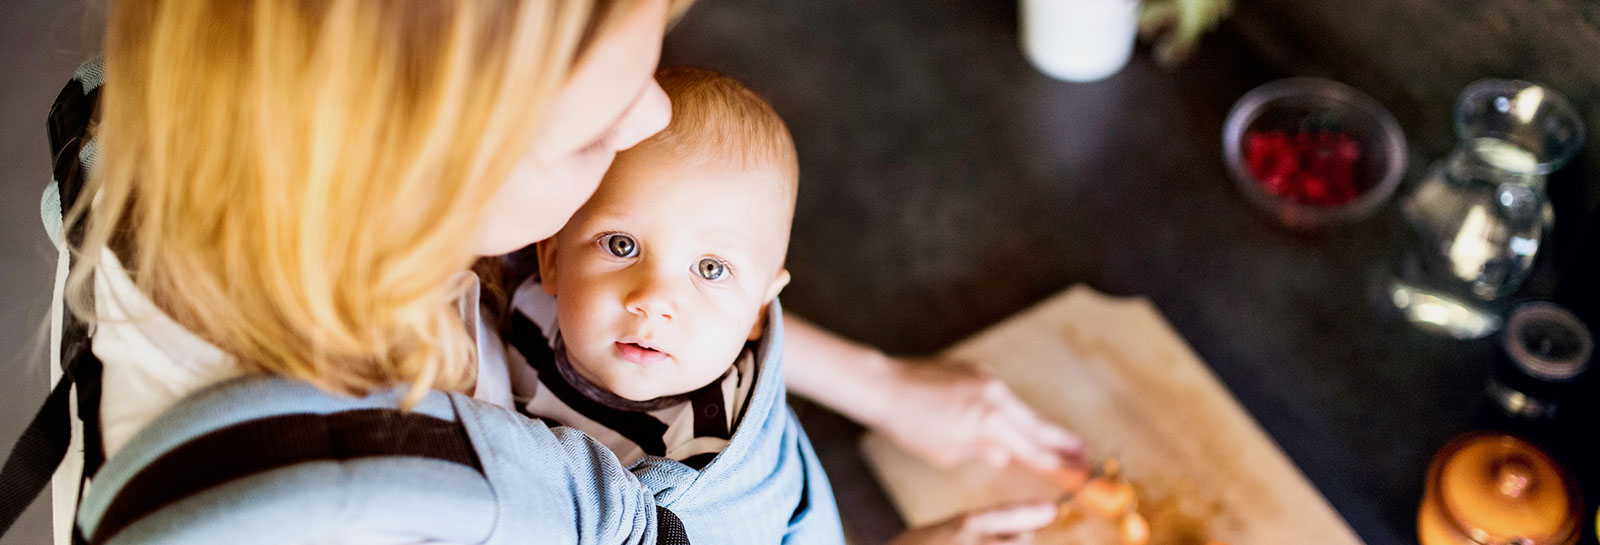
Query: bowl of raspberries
(1313,153)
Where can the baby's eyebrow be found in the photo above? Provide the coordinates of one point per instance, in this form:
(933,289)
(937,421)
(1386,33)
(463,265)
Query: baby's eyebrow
(727,246)
(610,215)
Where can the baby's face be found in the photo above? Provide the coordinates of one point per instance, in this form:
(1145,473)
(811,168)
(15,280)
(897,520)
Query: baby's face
(664,274)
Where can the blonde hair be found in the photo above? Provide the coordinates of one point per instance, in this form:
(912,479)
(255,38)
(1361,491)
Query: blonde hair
(293,180)
(716,118)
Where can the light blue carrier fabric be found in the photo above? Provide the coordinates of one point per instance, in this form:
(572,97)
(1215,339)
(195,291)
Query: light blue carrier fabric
(767,486)
(539,485)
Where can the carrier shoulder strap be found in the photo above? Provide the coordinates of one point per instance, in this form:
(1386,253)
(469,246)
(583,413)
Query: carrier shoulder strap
(43,445)
(258,446)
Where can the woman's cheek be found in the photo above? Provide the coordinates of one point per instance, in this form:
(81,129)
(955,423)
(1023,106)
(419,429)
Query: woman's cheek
(587,169)
(512,220)
(560,189)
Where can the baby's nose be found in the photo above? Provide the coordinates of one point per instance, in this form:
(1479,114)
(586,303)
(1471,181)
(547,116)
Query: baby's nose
(652,298)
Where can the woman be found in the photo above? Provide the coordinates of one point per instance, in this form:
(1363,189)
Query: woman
(297,188)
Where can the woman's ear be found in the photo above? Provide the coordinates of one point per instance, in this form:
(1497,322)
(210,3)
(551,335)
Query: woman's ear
(547,265)
(772,293)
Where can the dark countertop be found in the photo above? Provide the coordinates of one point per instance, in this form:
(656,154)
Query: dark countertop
(946,185)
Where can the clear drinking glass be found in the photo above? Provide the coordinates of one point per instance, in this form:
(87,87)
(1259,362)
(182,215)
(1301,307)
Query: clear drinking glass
(1481,213)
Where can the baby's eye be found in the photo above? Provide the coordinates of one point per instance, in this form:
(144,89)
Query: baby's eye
(711,269)
(620,245)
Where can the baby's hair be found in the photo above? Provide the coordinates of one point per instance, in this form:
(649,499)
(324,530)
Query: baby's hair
(715,119)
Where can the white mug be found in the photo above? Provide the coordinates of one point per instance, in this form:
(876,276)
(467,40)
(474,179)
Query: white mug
(1078,40)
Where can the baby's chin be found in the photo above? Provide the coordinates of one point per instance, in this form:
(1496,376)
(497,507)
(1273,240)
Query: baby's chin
(632,388)
(638,392)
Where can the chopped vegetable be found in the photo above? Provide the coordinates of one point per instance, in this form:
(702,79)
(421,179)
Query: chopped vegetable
(1106,498)
(1135,531)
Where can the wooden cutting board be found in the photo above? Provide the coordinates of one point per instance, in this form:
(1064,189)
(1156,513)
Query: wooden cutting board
(1113,371)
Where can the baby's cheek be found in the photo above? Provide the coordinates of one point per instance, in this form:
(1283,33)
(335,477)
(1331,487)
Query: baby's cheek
(707,368)
(721,349)
(579,310)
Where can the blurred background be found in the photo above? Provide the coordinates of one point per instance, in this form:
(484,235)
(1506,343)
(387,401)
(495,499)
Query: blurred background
(948,183)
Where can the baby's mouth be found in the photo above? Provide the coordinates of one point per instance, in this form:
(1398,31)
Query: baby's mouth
(636,352)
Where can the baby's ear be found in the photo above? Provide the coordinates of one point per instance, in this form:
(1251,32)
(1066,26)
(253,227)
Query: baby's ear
(778,284)
(772,293)
(547,265)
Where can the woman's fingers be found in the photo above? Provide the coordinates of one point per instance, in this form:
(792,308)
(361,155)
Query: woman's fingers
(1020,446)
(1033,442)
(1012,524)
(1020,539)
(1029,440)
(994,454)
(953,411)
(1009,521)
(1023,416)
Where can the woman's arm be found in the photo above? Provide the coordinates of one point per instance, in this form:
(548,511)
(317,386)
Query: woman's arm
(996,525)
(945,412)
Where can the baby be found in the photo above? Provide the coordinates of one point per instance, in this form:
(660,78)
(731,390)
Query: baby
(654,325)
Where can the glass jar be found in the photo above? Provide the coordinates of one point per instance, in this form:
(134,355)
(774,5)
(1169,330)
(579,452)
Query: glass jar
(1481,213)
(1543,351)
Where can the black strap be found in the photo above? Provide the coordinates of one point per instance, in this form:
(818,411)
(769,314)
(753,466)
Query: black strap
(257,446)
(253,447)
(35,457)
(43,445)
(69,126)
(669,529)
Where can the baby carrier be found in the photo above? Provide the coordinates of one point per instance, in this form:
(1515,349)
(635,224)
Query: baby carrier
(267,460)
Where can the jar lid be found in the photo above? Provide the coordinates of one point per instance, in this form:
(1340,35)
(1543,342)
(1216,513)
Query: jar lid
(1547,341)
(1501,489)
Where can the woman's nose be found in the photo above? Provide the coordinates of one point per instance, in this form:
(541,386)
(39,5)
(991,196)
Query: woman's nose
(647,116)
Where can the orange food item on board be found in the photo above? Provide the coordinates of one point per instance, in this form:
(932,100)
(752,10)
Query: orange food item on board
(1106,498)
(1111,468)
(1135,530)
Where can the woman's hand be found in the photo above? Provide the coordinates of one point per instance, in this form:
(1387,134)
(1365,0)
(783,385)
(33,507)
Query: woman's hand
(945,412)
(1008,524)
(948,412)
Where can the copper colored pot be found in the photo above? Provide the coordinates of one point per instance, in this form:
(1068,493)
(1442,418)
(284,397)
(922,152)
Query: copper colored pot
(1495,489)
